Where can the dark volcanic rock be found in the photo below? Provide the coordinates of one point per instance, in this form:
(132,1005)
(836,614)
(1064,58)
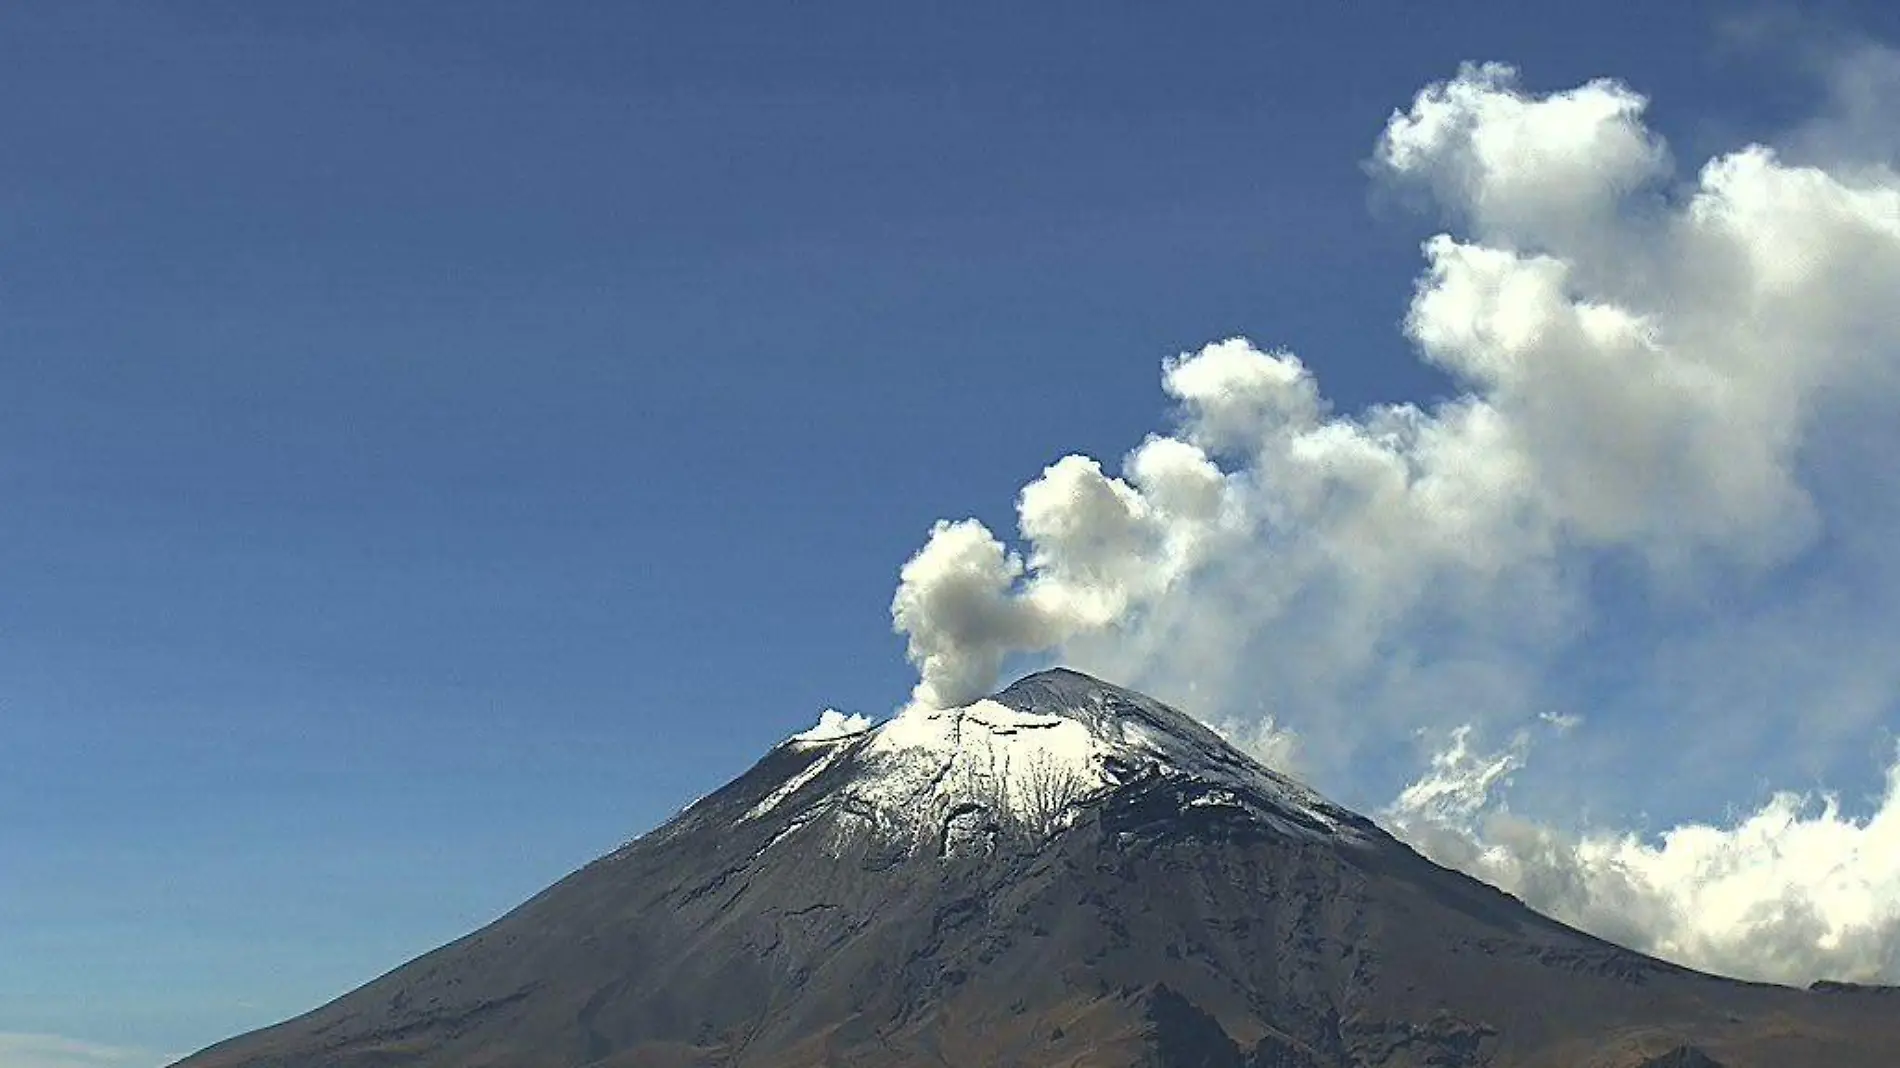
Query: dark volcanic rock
(1830,986)
(1278,1051)
(1683,1057)
(1069,874)
(1182,1036)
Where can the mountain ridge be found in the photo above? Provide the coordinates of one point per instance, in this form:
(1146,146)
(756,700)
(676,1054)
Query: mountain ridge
(891,897)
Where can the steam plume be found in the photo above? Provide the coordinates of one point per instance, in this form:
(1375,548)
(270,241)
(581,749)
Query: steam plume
(1654,478)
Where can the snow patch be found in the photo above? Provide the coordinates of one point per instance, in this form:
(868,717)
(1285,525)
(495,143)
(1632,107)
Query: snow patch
(792,785)
(1025,769)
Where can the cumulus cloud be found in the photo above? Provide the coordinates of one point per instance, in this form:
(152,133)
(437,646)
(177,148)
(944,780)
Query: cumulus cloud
(1660,485)
(1526,171)
(1790,892)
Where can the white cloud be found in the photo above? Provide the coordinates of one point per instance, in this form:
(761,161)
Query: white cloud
(1660,494)
(1265,740)
(22,1050)
(1460,781)
(1790,892)
(833,724)
(1539,170)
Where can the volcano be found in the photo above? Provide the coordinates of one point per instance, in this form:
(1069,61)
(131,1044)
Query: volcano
(1065,874)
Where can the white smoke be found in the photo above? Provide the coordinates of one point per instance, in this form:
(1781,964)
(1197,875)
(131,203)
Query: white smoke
(832,725)
(1640,373)
(1654,484)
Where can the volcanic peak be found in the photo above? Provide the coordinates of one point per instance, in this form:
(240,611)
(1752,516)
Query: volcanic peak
(1030,758)
(1062,873)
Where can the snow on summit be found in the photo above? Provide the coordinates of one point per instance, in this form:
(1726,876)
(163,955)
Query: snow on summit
(1027,760)
(1026,769)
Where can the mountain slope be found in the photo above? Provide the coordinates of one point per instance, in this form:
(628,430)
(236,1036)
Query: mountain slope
(1064,874)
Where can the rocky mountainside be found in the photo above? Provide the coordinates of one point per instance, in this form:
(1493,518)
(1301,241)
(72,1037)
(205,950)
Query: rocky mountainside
(1066,873)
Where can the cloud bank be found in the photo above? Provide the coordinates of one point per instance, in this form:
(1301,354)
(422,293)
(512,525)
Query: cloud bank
(23,1050)
(1791,892)
(1659,485)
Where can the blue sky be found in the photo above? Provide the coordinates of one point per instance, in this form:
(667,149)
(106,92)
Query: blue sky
(437,449)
